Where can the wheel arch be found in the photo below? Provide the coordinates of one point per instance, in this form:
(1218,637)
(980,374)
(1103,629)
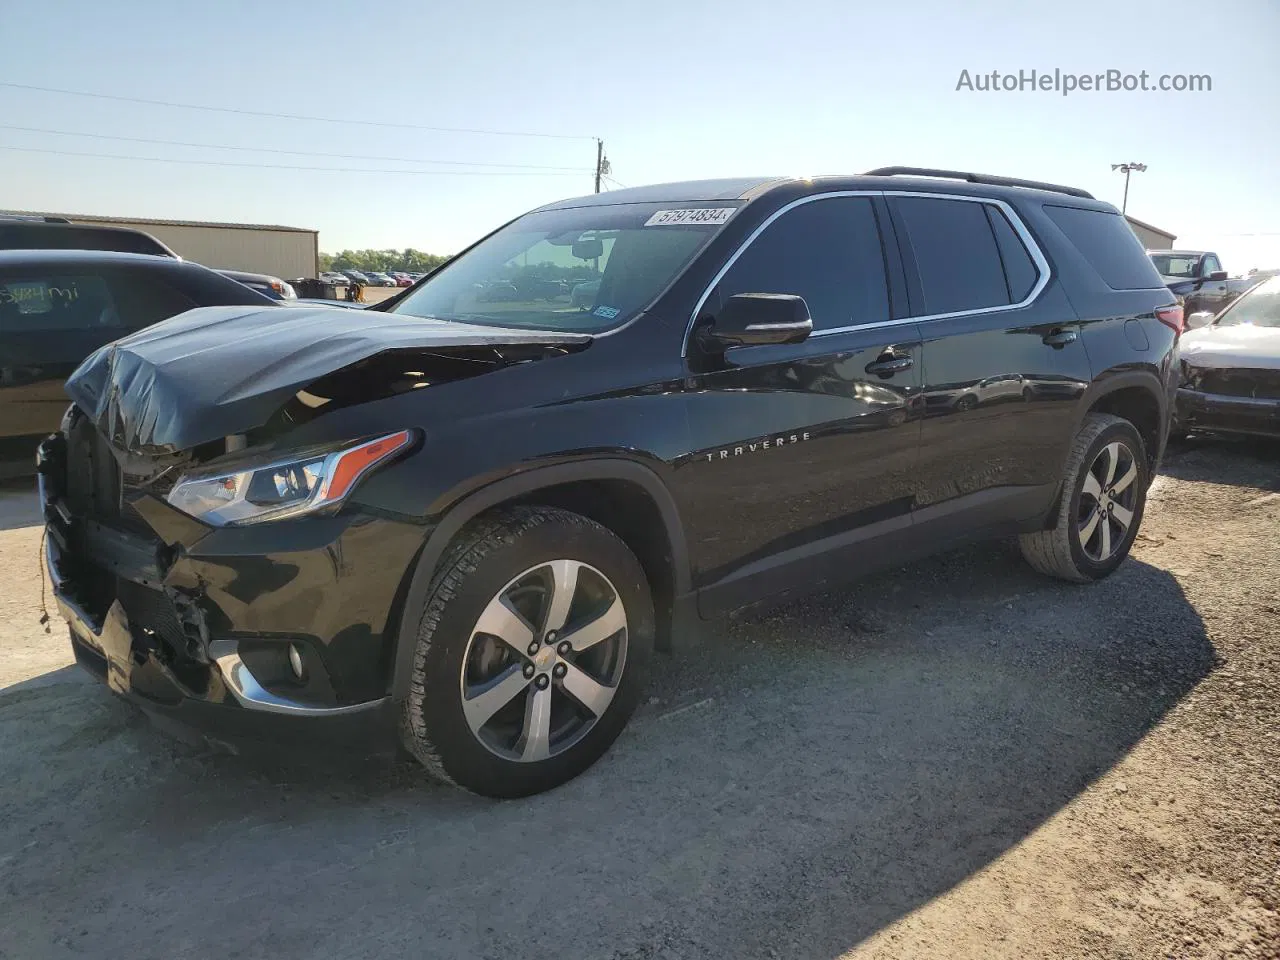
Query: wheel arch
(626,496)
(1133,395)
(1137,396)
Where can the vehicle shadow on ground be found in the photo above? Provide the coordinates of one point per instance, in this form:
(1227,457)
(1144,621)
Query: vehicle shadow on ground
(804,777)
(19,506)
(1200,458)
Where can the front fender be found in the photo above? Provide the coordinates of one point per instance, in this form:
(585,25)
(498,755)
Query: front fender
(512,487)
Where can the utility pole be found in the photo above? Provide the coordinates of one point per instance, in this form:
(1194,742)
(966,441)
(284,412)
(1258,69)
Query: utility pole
(1126,169)
(602,162)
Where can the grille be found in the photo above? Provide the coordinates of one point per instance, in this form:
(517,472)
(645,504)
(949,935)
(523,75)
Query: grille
(93,476)
(151,610)
(96,487)
(1258,384)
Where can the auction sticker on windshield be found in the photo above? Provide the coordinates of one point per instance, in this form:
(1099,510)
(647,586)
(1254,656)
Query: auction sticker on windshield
(699,215)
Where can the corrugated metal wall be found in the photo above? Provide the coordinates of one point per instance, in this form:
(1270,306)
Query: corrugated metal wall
(1152,239)
(282,253)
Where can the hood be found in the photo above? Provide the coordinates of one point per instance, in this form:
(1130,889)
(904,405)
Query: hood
(218,371)
(1237,345)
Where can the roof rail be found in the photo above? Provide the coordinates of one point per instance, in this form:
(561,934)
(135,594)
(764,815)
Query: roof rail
(977,178)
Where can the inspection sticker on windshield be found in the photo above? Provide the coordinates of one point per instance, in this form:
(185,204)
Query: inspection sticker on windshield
(608,313)
(698,215)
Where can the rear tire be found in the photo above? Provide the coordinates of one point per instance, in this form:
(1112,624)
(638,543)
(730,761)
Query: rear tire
(493,706)
(1103,497)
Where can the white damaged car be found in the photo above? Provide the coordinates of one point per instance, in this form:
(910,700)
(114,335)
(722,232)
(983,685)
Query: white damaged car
(1231,367)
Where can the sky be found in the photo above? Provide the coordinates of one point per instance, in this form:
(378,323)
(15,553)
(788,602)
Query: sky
(676,89)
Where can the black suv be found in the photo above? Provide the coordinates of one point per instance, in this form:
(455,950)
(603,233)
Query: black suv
(19,232)
(58,306)
(467,521)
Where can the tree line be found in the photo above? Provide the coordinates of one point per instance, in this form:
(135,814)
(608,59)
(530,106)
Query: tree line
(409,260)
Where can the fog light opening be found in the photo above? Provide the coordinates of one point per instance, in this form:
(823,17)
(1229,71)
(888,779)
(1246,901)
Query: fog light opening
(295,660)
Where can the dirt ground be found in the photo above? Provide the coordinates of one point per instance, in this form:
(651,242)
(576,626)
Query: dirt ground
(955,759)
(378,294)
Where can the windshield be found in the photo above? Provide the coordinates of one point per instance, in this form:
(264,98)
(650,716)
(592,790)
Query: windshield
(1175,265)
(1260,307)
(582,269)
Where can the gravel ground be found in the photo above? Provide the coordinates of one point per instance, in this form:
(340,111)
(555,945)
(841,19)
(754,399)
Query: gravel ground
(956,759)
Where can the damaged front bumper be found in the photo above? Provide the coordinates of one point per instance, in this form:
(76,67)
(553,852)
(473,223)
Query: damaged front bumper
(1222,413)
(196,624)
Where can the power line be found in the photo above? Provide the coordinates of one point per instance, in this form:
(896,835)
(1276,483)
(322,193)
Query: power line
(281,166)
(287,116)
(299,153)
(616,183)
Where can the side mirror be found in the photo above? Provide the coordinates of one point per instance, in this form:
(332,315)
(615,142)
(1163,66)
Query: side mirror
(587,249)
(752,319)
(1217,275)
(1201,318)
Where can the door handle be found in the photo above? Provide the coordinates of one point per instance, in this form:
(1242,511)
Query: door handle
(1060,338)
(889,366)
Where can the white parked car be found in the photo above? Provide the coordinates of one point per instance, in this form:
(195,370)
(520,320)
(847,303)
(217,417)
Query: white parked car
(1231,368)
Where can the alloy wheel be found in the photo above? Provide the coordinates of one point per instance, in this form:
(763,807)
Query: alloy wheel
(544,660)
(1107,501)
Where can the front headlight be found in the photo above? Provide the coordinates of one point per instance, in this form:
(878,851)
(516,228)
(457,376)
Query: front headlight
(1190,376)
(285,488)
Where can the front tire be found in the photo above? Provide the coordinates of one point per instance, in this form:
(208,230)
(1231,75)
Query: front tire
(532,652)
(1103,498)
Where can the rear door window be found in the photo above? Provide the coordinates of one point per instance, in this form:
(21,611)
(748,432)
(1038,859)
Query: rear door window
(955,253)
(145,298)
(1019,269)
(1111,248)
(827,251)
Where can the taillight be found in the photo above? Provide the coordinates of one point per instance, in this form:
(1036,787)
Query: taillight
(1171,317)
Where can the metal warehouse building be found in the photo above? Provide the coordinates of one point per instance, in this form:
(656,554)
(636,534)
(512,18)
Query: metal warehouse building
(285,252)
(1153,238)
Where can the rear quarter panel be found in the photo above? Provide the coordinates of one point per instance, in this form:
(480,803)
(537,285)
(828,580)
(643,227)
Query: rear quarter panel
(1126,344)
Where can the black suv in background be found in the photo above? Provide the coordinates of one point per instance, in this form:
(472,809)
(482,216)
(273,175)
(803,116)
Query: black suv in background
(468,520)
(58,233)
(59,306)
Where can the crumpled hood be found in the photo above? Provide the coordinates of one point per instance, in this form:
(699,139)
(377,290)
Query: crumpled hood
(218,371)
(1237,345)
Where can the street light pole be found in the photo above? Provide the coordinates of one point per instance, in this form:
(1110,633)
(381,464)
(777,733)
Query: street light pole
(1127,168)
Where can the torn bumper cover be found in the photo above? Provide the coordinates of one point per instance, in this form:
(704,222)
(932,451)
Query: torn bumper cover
(199,631)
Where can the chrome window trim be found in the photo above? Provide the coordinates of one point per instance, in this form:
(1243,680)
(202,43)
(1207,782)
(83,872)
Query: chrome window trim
(1020,228)
(1015,221)
(742,248)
